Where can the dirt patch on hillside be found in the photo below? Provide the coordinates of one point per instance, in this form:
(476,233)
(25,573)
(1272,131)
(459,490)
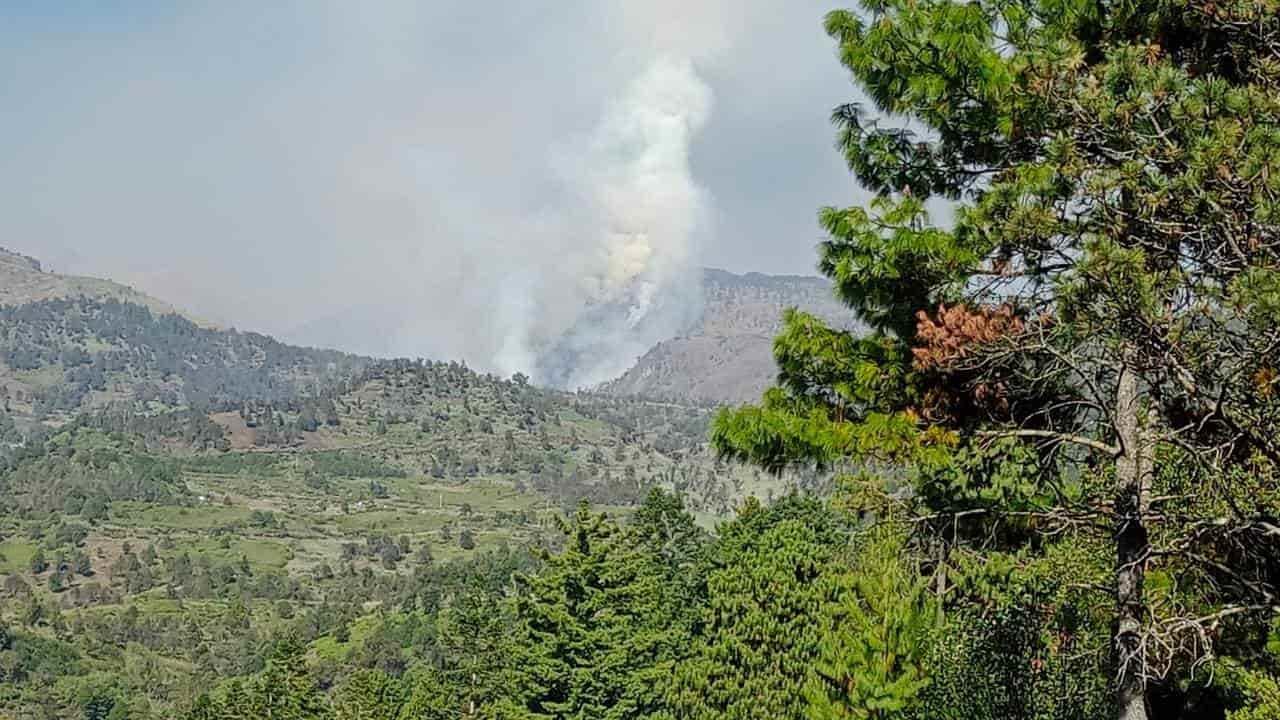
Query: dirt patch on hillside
(241,436)
(321,439)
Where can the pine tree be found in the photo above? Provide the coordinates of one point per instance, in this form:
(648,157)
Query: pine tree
(876,637)
(595,638)
(1089,348)
(235,702)
(285,690)
(433,699)
(39,563)
(771,579)
(369,695)
(669,535)
(474,629)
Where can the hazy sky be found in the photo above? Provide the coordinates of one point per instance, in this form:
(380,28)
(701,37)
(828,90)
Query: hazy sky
(374,173)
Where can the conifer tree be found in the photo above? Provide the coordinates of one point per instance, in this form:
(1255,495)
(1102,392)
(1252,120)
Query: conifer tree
(772,577)
(236,702)
(432,699)
(369,695)
(595,638)
(285,690)
(1089,348)
(871,662)
(669,536)
(474,635)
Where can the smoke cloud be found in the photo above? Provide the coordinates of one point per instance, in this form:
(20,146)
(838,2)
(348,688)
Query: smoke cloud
(526,186)
(580,287)
(631,248)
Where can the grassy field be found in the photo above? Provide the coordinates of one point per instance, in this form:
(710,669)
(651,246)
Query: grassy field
(138,515)
(275,523)
(15,555)
(262,553)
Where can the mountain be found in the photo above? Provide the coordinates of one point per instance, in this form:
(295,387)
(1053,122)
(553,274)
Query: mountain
(72,360)
(189,491)
(726,356)
(65,355)
(111,351)
(24,280)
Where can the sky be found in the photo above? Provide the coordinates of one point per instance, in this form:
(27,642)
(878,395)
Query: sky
(433,178)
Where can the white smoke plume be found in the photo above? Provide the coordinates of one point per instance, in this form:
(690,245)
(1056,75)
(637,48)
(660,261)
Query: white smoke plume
(588,285)
(391,179)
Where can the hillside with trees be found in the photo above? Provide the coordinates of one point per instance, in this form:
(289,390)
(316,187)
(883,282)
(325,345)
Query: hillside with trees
(202,496)
(61,356)
(23,279)
(136,538)
(1036,481)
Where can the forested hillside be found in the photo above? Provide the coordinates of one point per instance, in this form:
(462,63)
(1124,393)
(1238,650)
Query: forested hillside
(61,356)
(178,501)
(1037,477)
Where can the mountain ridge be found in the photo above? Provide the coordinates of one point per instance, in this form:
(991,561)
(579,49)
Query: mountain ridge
(24,280)
(726,357)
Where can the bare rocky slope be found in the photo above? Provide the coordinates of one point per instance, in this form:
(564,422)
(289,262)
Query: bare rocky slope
(727,356)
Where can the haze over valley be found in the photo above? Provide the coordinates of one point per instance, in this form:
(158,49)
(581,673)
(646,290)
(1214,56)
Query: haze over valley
(359,187)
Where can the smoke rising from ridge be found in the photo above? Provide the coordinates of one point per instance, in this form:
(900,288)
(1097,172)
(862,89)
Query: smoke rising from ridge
(633,240)
(579,288)
(521,185)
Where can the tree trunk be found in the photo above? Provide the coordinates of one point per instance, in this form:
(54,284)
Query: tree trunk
(1134,469)
(940,578)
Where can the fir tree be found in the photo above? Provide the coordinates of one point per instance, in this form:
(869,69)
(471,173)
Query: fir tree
(771,580)
(595,638)
(285,690)
(369,695)
(877,633)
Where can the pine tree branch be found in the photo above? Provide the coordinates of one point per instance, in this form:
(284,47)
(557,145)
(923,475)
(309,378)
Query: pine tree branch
(1109,450)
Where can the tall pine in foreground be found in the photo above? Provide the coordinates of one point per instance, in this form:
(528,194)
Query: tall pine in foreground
(1090,349)
(876,638)
(773,572)
(599,627)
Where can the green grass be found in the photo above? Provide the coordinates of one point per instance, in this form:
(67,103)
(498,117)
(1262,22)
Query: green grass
(201,517)
(485,541)
(327,648)
(259,552)
(15,555)
(45,377)
(481,495)
(391,521)
(235,464)
(263,552)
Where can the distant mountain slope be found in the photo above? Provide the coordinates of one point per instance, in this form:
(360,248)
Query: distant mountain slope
(59,357)
(24,280)
(727,356)
(70,344)
(79,352)
(452,424)
(752,304)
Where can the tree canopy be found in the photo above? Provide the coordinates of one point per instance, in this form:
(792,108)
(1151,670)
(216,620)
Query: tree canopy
(1087,351)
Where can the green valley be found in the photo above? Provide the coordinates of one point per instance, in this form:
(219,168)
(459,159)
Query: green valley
(1014,456)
